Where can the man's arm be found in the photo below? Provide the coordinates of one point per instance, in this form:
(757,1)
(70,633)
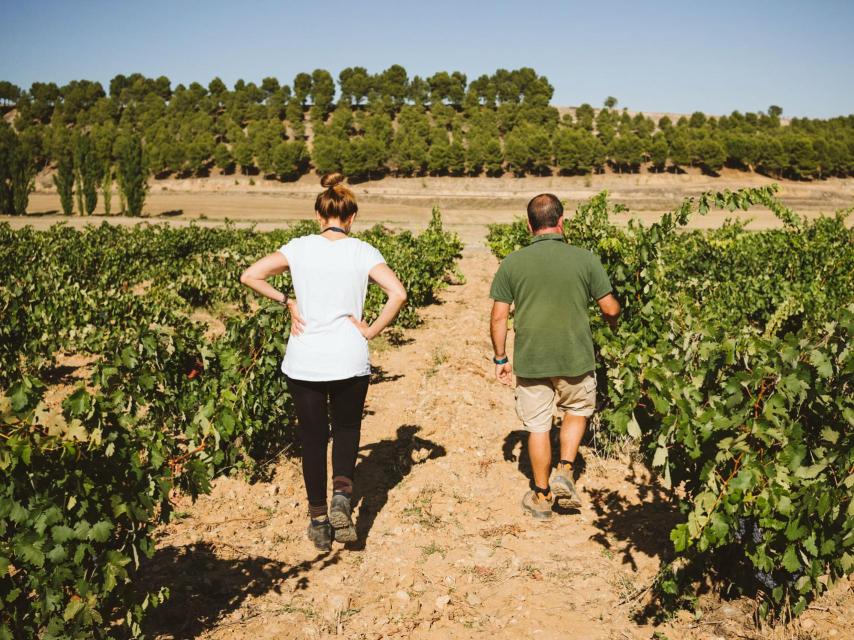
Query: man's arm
(610,309)
(498,333)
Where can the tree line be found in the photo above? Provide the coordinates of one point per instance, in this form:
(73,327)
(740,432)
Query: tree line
(369,125)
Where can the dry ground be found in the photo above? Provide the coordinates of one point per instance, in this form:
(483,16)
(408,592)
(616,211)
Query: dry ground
(467,204)
(445,550)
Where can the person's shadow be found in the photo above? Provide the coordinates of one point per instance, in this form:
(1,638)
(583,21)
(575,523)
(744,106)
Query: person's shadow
(381,467)
(519,439)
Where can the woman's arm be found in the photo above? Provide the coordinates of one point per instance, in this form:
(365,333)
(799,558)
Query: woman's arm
(255,277)
(388,282)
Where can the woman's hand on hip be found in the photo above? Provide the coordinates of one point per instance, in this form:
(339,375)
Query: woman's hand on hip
(297,323)
(363,327)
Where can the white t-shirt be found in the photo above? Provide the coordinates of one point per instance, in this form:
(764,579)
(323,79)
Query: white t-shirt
(330,280)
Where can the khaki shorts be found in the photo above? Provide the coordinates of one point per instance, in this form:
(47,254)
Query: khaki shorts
(536,397)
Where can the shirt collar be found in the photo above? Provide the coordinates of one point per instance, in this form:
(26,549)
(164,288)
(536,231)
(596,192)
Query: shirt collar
(548,236)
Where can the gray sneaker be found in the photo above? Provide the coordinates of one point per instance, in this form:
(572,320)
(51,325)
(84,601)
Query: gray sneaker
(563,488)
(539,508)
(320,535)
(340,515)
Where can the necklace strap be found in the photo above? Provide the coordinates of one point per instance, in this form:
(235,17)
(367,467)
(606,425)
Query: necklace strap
(338,229)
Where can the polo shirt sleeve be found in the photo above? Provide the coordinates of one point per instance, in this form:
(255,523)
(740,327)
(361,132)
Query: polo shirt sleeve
(600,285)
(502,290)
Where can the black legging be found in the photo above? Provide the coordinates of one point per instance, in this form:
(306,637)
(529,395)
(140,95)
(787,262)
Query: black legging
(312,401)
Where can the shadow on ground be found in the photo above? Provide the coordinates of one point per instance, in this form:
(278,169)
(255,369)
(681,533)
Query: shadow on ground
(204,587)
(635,525)
(519,439)
(381,467)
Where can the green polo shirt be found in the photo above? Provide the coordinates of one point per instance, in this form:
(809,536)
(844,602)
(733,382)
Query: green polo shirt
(551,284)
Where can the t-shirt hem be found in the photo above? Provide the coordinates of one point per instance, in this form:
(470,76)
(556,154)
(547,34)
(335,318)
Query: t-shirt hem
(326,377)
(555,373)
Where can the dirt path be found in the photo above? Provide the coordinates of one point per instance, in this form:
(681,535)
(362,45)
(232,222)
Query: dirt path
(446,551)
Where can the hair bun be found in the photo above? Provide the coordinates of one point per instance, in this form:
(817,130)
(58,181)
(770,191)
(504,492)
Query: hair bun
(331,179)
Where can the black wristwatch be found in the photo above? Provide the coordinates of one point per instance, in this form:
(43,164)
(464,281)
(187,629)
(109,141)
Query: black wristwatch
(503,360)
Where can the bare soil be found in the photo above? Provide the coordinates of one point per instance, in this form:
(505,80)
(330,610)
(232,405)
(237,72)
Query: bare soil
(445,550)
(467,204)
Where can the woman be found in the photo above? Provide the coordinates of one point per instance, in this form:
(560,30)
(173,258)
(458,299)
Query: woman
(326,362)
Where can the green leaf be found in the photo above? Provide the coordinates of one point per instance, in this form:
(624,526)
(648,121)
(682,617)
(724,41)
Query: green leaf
(829,435)
(61,533)
(679,537)
(633,428)
(790,559)
(73,607)
(29,552)
(100,531)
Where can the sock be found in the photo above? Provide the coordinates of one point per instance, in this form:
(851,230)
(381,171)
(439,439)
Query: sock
(566,463)
(542,492)
(317,512)
(342,485)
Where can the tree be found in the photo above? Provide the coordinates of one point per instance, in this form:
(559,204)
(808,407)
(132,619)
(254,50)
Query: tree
(395,84)
(610,102)
(658,150)
(302,87)
(528,150)
(419,91)
(439,156)
(355,85)
(322,90)
(626,152)
(242,152)
(104,137)
(9,93)
(290,160)
(223,158)
(711,155)
(132,172)
(294,113)
(89,168)
(63,177)
(328,153)
(7,143)
(364,157)
(584,115)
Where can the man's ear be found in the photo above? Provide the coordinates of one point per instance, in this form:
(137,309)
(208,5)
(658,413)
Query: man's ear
(560,222)
(528,223)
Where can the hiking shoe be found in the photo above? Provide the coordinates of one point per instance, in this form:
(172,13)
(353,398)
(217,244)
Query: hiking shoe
(540,508)
(340,516)
(320,533)
(563,488)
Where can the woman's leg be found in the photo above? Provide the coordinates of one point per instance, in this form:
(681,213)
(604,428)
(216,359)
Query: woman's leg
(313,425)
(347,401)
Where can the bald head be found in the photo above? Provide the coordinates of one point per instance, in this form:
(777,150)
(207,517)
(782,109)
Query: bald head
(544,211)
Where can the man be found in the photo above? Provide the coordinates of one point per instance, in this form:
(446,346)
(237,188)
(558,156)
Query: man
(551,284)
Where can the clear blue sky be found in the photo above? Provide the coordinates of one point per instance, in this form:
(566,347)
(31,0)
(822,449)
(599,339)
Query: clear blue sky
(653,56)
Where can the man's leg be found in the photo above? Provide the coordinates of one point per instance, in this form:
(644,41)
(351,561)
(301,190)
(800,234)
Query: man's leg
(571,433)
(577,399)
(540,453)
(535,407)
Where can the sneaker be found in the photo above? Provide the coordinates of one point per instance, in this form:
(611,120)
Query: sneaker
(539,508)
(563,488)
(340,516)
(320,533)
